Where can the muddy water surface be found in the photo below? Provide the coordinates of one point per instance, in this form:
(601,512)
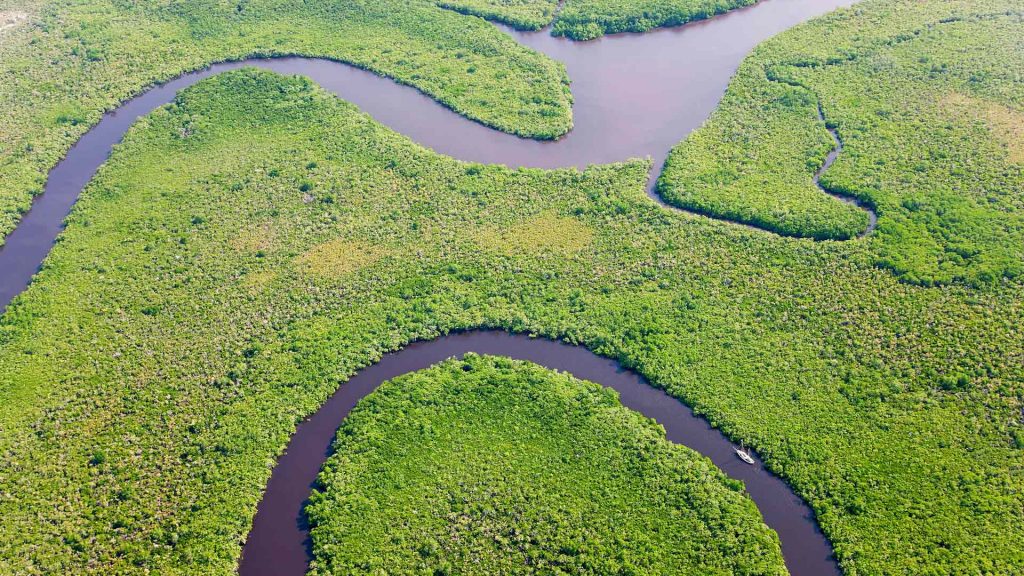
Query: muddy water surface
(636,95)
(278,544)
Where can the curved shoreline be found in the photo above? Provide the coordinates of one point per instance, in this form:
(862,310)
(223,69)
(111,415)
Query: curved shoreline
(829,160)
(278,543)
(679,73)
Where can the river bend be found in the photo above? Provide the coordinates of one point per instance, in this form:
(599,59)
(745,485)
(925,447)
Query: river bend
(278,544)
(635,95)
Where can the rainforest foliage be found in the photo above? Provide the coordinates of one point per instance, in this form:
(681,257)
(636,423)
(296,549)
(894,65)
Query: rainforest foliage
(515,469)
(928,101)
(520,14)
(589,19)
(63,63)
(215,285)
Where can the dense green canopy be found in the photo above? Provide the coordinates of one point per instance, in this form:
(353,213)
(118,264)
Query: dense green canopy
(216,283)
(63,63)
(929,103)
(492,466)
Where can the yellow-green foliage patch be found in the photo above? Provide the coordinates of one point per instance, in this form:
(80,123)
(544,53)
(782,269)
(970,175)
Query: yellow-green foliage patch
(258,238)
(336,258)
(546,232)
(257,281)
(1004,123)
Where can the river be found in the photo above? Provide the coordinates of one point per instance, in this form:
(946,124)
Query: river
(635,95)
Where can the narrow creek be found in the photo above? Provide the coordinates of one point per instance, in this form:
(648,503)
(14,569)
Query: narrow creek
(635,95)
(872,215)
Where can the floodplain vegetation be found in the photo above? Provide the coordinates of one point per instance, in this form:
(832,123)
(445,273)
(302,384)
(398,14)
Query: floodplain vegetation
(519,14)
(589,19)
(62,64)
(214,285)
(511,468)
(928,101)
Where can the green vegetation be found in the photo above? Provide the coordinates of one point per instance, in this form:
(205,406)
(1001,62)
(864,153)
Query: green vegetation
(589,19)
(928,101)
(514,469)
(63,63)
(188,318)
(520,14)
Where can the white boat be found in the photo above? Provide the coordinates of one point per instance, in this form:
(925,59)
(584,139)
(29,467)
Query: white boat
(744,455)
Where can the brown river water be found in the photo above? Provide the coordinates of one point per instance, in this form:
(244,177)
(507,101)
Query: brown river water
(635,95)
(279,544)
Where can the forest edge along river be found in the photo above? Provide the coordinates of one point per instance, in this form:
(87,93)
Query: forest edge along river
(278,543)
(635,95)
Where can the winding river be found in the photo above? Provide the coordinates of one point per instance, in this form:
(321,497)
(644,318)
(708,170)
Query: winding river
(278,543)
(635,95)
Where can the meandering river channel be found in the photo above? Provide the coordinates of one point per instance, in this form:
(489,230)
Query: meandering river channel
(278,543)
(635,95)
